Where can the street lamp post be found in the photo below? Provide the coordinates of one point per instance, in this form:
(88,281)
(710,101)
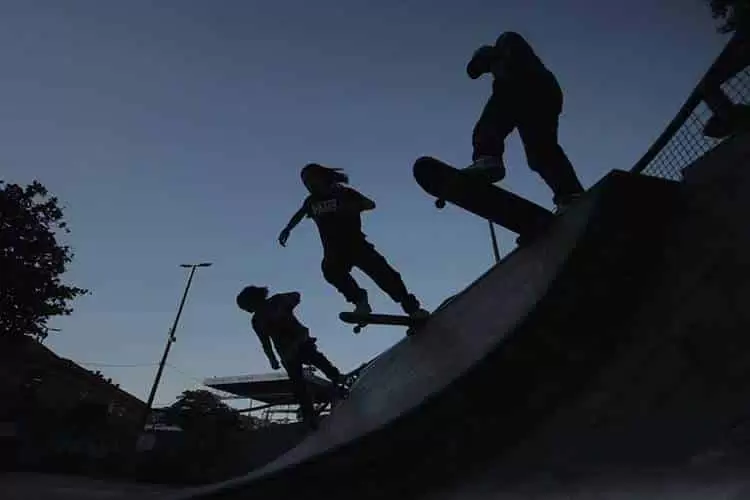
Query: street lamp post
(170,340)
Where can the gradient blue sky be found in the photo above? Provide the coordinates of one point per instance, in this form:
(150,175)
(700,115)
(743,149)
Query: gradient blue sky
(174,131)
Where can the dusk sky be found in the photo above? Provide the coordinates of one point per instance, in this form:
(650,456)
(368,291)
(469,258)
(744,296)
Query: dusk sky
(174,132)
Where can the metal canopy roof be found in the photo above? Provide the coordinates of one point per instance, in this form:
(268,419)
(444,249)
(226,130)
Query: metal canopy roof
(271,388)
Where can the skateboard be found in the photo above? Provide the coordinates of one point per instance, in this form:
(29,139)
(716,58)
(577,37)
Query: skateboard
(360,321)
(481,198)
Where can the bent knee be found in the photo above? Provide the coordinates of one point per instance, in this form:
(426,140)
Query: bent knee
(333,268)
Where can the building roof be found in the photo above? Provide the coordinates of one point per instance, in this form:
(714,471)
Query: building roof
(37,358)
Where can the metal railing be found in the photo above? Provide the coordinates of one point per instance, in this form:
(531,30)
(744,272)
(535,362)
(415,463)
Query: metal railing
(711,114)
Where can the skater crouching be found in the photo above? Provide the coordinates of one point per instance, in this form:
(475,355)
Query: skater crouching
(274,322)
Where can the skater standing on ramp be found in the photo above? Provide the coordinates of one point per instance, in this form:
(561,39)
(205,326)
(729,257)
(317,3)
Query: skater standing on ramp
(335,209)
(274,320)
(527,96)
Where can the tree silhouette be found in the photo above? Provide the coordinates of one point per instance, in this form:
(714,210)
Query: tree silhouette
(735,15)
(202,411)
(32,261)
(208,426)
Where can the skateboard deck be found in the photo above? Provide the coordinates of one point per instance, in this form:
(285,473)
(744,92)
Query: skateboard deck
(360,321)
(481,198)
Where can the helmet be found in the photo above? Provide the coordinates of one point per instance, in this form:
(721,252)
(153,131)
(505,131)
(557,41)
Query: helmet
(250,296)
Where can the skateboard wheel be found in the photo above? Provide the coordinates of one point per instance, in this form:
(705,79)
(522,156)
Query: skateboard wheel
(357,329)
(440,204)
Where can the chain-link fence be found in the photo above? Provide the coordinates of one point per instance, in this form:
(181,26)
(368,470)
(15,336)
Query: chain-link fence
(718,107)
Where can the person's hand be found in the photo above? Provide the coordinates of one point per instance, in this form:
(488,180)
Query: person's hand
(275,364)
(480,62)
(283,237)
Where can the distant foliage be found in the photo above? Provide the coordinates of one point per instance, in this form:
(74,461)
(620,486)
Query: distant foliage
(32,261)
(734,14)
(209,427)
(202,412)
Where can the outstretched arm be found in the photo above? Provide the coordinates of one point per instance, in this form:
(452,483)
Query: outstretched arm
(296,219)
(267,348)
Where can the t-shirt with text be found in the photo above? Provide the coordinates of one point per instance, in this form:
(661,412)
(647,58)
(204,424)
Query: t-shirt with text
(338,224)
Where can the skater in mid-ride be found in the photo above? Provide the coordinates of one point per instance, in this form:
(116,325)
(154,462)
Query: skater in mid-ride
(336,210)
(527,96)
(276,326)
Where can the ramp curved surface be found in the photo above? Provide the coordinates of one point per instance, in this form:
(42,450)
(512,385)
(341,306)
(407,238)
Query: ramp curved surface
(456,338)
(403,380)
(668,417)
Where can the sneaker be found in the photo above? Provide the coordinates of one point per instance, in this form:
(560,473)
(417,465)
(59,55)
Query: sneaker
(411,306)
(341,381)
(490,168)
(563,204)
(342,390)
(419,314)
(362,307)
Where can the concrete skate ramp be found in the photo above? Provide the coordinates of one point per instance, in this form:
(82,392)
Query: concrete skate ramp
(669,416)
(452,380)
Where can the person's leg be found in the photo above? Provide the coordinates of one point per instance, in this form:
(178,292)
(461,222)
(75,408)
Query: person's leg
(538,128)
(374,265)
(293,368)
(488,137)
(312,356)
(337,271)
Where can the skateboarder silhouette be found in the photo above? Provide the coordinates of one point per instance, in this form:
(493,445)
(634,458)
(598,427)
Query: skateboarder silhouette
(274,322)
(335,208)
(527,96)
